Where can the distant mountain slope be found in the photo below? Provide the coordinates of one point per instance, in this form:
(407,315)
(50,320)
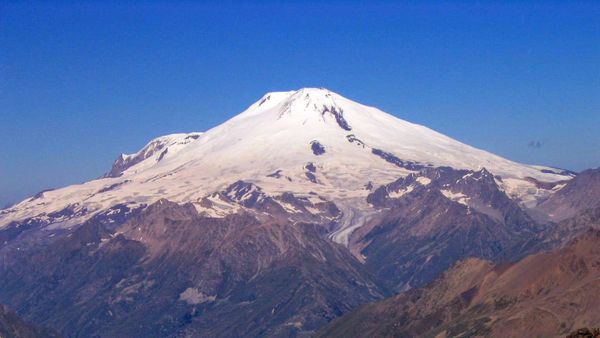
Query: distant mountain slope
(580,194)
(543,295)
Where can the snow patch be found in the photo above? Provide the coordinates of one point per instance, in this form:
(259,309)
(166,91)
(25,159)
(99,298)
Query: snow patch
(401,192)
(193,296)
(423,180)
(456,197)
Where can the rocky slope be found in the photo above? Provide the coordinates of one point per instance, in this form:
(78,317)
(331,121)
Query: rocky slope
(432,219)
(578,195)
(170,271)
(12,326)
(544,295)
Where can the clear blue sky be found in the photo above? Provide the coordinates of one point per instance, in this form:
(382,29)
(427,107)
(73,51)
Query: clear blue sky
(81,83)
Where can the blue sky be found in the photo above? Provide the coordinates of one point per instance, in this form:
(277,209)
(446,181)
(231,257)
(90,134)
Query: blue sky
(81,83)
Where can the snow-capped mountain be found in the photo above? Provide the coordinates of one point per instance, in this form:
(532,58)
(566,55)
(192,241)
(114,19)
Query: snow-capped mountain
(305,141)
(236,231)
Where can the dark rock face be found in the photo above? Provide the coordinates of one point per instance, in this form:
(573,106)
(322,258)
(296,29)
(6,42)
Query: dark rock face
(393,159)
(317,148)
(415,243)
(311,169)
(338,113)
(422,232)
(486,197)
(585,333)
(251,196)
(70,211)
(267,98)
(247,194)
(163,154)
(277,174)
(192,137)
(12,326)
(311,177)
(112,187)
(169,272)
(559,171)
(353,139)
(479,187)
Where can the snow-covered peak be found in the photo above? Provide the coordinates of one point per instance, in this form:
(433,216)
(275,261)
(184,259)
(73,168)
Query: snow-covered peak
(305,106)
(308,100)
(312,103)
(311,140)
(288,99)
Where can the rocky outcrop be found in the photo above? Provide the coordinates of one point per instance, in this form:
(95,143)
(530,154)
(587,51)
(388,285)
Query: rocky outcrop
(585,333)
(338,114)
(158,148)
(317,148)
(395,160)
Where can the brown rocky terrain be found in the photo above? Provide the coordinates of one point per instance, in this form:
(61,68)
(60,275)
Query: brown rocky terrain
(169,271)
(543,295)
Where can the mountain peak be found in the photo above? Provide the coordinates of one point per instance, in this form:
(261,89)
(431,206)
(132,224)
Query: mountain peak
(314,91)
(314,101)
(305,106)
